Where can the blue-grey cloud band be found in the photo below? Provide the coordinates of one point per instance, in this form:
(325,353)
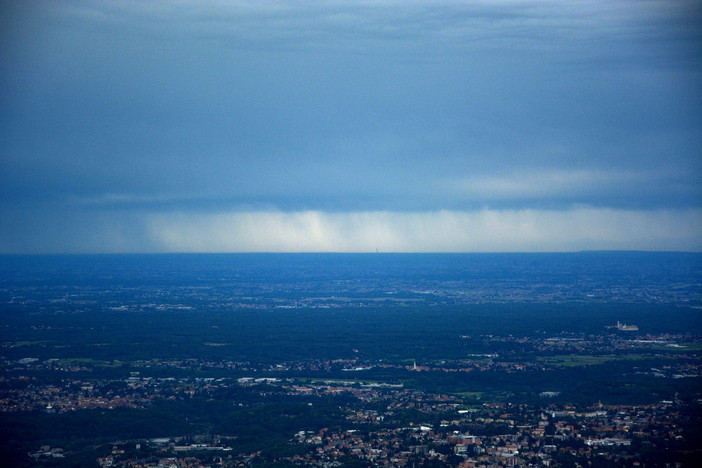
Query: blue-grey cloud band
(125,117)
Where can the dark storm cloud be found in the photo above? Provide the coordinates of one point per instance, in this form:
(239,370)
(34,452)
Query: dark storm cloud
(121,111)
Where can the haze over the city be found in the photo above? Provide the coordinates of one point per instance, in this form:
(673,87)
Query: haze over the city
(237,126)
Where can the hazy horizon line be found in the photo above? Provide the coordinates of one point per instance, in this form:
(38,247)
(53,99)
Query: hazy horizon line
(545,252)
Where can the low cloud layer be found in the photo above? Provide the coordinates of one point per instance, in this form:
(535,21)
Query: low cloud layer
(443,231)
(485,230)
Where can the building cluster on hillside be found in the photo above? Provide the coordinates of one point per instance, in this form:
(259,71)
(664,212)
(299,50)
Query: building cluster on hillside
(382,422)
(530,436)
(511,435)
(376,430)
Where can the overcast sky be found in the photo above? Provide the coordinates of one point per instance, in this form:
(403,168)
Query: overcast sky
(391,125)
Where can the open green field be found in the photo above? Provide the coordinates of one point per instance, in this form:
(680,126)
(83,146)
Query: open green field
(17,344)
(475,395)
(89,361)
(578,360)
